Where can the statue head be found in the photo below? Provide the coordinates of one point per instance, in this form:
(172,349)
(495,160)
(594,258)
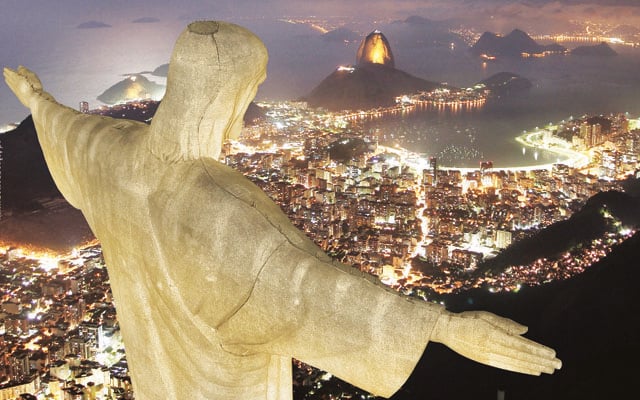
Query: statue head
(214,73)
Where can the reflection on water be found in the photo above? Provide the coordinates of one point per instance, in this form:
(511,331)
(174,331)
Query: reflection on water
(458,136)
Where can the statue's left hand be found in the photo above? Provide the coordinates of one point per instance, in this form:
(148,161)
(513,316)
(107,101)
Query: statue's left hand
(24,84)
(492,340)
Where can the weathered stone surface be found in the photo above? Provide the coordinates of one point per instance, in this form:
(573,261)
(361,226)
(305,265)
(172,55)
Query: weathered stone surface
(215,289)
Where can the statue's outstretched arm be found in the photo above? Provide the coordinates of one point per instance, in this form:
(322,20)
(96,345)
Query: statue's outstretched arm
(496,341)
(53,122)
(70,140)
(344,323)
(332,317)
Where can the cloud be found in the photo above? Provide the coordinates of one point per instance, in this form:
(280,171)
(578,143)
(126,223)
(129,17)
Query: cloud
(145,20)
(93,25)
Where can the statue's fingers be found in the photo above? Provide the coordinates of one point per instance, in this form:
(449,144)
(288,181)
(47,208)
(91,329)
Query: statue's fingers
(12,78)
(22,70)
(8,74)
(518,347)
(18,85)
(531,366)
(523,344)
(31,77)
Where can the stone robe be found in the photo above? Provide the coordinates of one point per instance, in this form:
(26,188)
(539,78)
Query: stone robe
(215,289)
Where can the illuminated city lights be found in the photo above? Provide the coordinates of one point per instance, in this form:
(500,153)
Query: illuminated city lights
(346,69)
(379,212)
(468,188)
(418,226)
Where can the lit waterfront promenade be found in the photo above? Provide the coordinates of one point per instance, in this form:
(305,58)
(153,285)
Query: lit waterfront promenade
(534,139)
(544,139)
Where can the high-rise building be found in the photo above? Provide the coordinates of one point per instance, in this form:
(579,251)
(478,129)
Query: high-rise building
(591,134)
(610,163)
(19,365)
(503,239)
(84,107)
(433,165)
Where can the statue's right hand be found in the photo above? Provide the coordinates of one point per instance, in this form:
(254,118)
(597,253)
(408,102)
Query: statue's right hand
(24,84)
(496,341)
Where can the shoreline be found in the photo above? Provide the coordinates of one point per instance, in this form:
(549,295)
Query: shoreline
(575,158)
(572,158)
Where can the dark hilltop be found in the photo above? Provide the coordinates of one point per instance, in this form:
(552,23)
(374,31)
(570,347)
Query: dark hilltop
(587,319)
(600,215)
(505,83)
(598,50)
(515,44)
(33,210)
(26,180)
(25,175)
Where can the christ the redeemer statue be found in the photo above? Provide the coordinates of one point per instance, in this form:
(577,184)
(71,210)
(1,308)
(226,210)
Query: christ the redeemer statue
(215,289)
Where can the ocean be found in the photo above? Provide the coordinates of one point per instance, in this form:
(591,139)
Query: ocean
(79,64)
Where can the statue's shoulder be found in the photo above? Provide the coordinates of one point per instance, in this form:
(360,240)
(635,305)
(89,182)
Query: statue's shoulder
(207,187)
(246,194)
(204,193)
(199,184)
(241,190)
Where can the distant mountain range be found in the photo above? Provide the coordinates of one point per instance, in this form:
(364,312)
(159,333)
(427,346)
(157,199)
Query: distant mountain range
(423,32)
(514,44)
(375,82)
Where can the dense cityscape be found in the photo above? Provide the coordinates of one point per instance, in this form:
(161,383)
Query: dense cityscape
(59,318)
(419,227)
(380,209)
(419,224)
